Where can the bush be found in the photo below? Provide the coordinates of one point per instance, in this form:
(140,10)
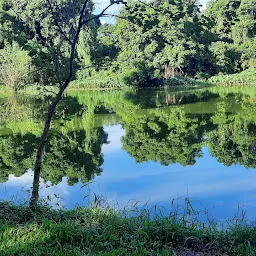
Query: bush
(245,77)
(103,79)
(180,81)
(141,78)
(15,66)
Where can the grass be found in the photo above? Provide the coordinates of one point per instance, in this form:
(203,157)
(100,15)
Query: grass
(185,81)
(103,79)
(247,77)
(4,91)
(104,231)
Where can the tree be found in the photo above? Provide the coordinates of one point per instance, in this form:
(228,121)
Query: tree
(58,34)
(168,37)
(15,66)
(235,24)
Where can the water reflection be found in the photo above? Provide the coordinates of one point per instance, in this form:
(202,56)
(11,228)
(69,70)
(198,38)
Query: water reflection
(169,133)
(168,137)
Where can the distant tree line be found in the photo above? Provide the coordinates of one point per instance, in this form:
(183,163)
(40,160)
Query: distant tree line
(149,42)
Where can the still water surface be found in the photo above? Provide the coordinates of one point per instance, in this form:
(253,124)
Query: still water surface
(146,146)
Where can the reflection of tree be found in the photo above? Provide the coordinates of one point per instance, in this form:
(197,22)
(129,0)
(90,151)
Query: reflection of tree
(15,155)
(166,137)
(169,135)
(76,155)
(160,98)
(12,110)
(73,153)
(233,141)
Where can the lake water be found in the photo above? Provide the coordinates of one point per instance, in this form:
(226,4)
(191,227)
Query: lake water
(136,147)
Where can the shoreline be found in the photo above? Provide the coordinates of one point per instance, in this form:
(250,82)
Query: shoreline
(105,231)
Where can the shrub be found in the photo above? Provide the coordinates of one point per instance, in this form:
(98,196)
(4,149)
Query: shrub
(180,81)
(15,66)
(141,78)
(245,77)
(103,79)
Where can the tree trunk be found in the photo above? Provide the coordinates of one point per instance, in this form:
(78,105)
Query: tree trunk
(173,72)
(40,152)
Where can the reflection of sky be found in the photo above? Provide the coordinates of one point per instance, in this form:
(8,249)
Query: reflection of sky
(208,184)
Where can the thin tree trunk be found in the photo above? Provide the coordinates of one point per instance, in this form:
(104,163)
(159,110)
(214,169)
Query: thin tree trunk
(173,72)
(41,149)
(40,152)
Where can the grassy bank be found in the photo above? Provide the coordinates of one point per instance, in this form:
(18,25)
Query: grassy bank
(247,77)
(95,231)
(104,79)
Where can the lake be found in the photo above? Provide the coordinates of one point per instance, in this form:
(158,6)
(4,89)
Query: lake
(136,147)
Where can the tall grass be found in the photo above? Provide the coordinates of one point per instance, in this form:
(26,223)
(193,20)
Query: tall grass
(105,231)
(4,91)
(103,79)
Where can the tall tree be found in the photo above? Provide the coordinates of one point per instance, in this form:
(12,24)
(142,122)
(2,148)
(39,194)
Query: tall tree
(235,23)
(57,26)
(170,37)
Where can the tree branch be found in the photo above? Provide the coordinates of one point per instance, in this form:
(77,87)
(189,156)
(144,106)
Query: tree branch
(57,23)
(102,13)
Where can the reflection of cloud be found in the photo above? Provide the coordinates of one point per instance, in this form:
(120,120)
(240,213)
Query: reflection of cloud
(166,187)
(16,189)
(24,180)
(208,181)
(114,137)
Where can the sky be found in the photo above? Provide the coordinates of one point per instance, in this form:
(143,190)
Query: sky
(100,4)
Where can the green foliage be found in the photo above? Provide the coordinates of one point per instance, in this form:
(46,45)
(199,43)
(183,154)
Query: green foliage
(15,66)
(184,81)
(164,36)
(150,42)
(170,137)
(4,91)
(102,79)
(105,231)
(38,27)
(235,23)
(244,78)
(141,77)
(224,57)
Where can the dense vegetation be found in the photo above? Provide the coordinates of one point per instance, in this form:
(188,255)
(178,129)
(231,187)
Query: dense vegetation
(149,43)
(104,231)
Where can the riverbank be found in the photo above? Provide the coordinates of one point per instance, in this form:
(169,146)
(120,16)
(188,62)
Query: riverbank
(104,231)
(246,77)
